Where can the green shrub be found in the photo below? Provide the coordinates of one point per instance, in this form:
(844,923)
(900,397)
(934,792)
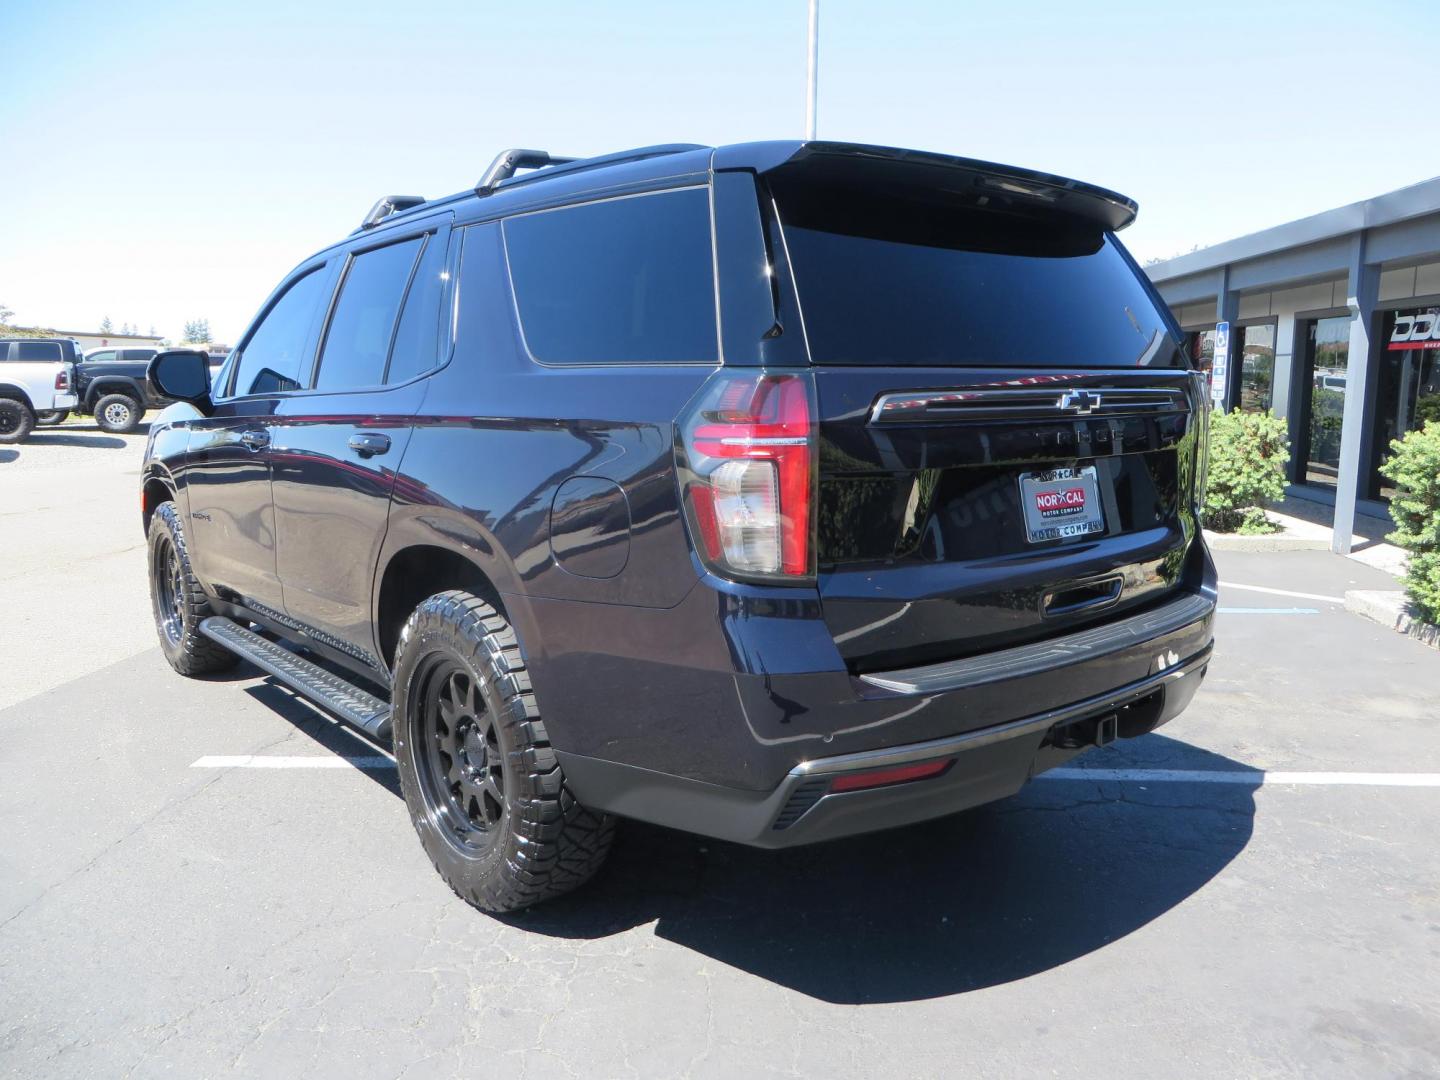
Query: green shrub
(1248,453)
(1414,468)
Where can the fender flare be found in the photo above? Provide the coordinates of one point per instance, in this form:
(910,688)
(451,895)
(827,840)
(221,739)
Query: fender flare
(16,393)
(112,384)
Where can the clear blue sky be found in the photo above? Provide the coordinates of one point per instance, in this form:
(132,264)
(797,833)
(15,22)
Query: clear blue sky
(165,161)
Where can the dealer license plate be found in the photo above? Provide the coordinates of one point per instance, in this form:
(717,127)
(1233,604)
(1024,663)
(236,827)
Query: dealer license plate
(1060,503)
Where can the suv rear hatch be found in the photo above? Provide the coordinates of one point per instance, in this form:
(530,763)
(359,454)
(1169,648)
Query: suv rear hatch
(1008,430)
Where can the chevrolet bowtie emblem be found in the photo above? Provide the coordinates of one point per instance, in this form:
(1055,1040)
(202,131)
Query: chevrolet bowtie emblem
(1080,401)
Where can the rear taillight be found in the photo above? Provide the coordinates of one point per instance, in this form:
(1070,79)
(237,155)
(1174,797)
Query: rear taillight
(747,471)
(62,381)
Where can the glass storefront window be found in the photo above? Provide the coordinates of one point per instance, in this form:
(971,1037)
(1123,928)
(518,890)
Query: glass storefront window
(1327,361)
(1257,367)
(1408,389)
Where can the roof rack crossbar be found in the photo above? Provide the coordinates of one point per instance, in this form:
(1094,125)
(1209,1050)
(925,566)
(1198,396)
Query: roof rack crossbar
(508,162)
(550,165)
(387,205)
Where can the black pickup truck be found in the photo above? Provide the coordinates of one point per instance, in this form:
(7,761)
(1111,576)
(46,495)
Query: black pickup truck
(110,384)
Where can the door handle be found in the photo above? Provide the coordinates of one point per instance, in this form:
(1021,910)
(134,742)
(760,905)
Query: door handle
(369,443)
(255,440)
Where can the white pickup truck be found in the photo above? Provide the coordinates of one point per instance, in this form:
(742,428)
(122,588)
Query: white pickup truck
(37,375)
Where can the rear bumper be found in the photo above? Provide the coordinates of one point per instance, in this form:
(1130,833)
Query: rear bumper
(734,695)
(986,764)
(65,401)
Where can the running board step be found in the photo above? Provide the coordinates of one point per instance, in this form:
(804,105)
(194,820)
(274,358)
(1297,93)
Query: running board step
(343,698)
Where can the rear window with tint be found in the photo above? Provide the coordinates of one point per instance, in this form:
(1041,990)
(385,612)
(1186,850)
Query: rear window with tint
(621,281)
(901,280)
(36,350)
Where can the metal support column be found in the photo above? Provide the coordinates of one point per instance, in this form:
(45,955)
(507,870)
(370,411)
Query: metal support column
(1227,310)
(1362,295)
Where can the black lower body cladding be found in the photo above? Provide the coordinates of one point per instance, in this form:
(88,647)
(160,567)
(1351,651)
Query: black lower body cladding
(709,715)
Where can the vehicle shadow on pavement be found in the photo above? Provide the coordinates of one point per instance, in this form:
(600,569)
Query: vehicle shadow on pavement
(55,437)
(979,899)
(309,720)
(996,894)
(7,455)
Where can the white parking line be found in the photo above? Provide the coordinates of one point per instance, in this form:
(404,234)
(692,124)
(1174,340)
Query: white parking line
(1268,610)
(257,761)
(1257,778)
(1283,592)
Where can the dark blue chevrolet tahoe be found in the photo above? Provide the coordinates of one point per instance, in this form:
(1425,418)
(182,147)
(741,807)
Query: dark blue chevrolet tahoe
(776,492)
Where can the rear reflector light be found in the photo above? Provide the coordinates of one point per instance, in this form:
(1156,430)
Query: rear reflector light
(747,465)
(62,381)
(901,774)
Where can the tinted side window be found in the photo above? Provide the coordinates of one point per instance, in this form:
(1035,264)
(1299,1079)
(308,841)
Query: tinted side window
(273,361)
(358,340)
(4,350)
(136,354)
(617,281)
(36,350)
(101,357)
(417,337)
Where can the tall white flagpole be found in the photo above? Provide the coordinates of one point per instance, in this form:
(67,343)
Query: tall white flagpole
(812,71)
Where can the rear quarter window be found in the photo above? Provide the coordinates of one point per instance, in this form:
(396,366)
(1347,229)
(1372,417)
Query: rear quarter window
(627,280)
(36,350)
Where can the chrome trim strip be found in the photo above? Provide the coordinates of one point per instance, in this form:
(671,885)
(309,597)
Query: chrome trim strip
(1061,402)
(973,740)
(1043,656)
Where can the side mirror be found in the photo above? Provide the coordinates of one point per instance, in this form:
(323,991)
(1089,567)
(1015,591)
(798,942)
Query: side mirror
(182,374)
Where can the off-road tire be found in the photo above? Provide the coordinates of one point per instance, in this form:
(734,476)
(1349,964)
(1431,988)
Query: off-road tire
(16,420)
(118,414)
(51,417)
(546,843)
(188,651)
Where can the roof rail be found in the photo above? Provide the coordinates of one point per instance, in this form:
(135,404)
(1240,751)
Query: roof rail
(508,162)
(505,165)
(389,204)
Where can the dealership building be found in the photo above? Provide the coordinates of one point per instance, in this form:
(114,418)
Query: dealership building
(1332,321)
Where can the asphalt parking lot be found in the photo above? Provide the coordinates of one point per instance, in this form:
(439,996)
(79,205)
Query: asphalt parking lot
(165,915)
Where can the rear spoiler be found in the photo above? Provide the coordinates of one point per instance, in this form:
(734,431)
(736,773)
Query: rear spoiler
(885,165)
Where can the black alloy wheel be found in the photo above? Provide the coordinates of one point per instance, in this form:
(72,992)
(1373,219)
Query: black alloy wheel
(15,420)
(459,762)
(169,591)
(177,601)
(483,785)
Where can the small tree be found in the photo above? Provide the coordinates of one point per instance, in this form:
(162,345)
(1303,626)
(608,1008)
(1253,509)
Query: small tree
(1414,467)
(197,331)
(1248,452)
(5,314)
(106,326)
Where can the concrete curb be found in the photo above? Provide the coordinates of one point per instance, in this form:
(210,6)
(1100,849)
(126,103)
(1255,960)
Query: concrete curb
(1390,608)
(1271,542)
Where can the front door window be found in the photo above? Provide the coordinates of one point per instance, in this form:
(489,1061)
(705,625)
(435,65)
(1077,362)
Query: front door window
(1327,362)
(1257,367)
